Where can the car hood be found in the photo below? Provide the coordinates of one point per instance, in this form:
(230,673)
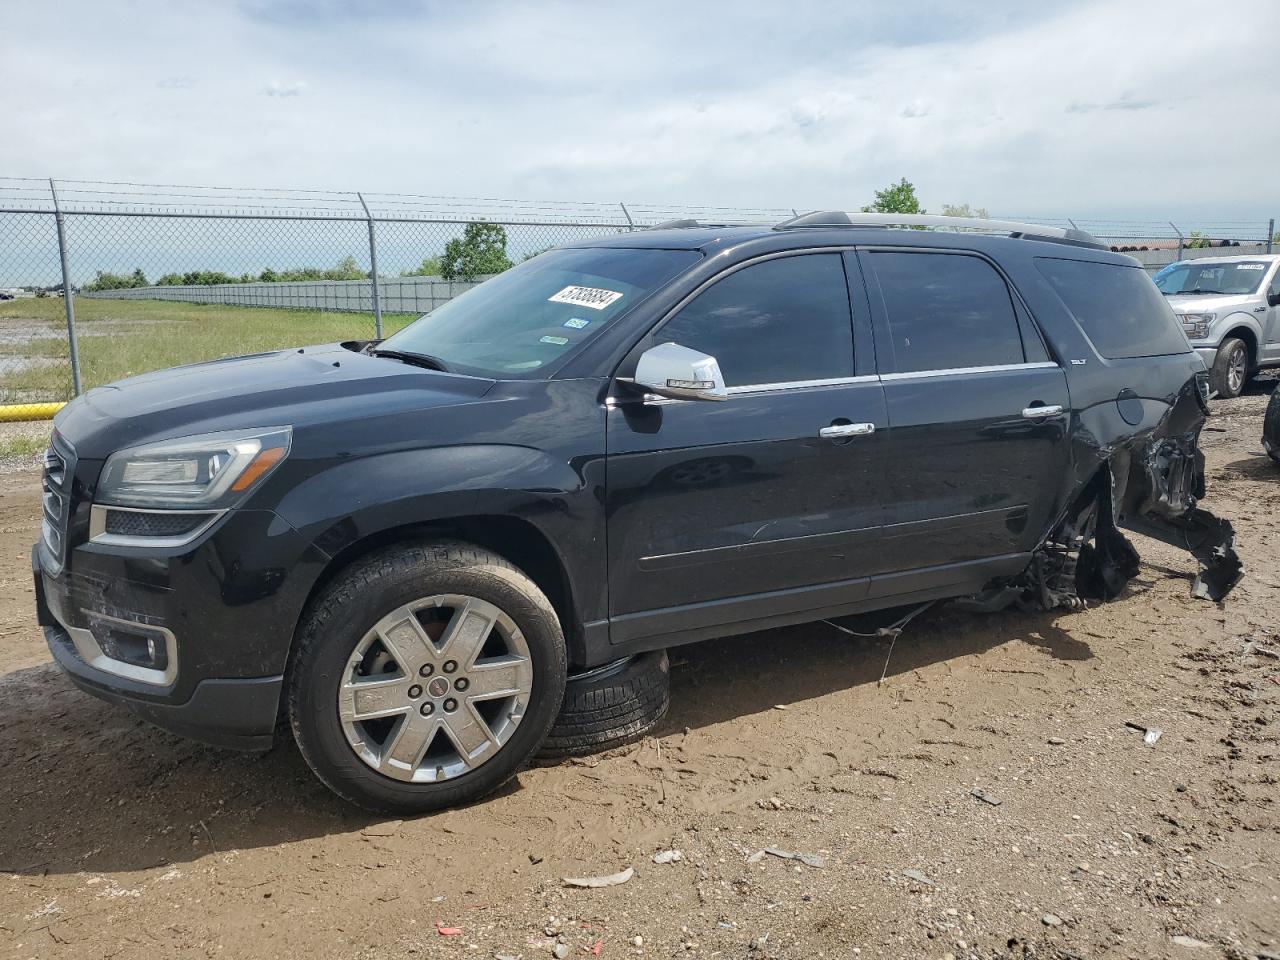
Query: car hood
(310,386)
(1199,303)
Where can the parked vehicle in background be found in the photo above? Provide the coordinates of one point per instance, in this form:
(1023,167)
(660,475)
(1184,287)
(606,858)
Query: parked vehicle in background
(417,546)
(1230,310)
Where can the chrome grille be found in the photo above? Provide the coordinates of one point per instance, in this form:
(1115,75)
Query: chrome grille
(55,485)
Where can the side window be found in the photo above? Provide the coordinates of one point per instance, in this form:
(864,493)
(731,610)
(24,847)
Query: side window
(1117,306)
(1274,289)
(774,322)
(946,311)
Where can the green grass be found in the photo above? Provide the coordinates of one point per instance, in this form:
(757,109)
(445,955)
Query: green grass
(22,446)
(121,338)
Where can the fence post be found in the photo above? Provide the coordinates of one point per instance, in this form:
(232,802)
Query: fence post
(1271,233)
(68,298)
(373,269)
(1180,238)
(627,213)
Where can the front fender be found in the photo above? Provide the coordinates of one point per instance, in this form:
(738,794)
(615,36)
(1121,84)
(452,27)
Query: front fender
(352,500)
(1233,321)
(356,498)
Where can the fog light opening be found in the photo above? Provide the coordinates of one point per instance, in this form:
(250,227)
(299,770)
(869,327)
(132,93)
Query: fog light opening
(137,644)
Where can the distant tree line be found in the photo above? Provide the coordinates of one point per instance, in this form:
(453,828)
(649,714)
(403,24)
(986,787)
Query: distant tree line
(480,251)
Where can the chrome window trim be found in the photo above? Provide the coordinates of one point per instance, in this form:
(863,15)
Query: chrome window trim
(756,388)
(961,371)
(93,655)
(98,527)
(800,384)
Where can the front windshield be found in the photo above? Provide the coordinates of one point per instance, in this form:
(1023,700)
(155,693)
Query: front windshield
(521,321)
(1237,278)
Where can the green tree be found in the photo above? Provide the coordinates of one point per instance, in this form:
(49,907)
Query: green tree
(116,281)
(268,276)
(481,251)
(898,197)
(345,269)
(430,267)
(964,210)
(1197,240)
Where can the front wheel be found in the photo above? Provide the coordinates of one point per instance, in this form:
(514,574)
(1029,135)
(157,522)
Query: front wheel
(425,676)
(1230,368)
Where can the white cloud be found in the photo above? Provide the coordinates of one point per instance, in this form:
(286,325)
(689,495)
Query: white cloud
(1089,109)
(278,88)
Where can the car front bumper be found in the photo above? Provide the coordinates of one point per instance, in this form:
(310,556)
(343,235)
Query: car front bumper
(221,613)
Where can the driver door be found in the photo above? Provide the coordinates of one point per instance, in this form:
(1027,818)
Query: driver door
(767,502)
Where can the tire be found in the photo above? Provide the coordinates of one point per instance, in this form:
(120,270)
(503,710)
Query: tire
(1271,426)
(446,591)
(1232,368)
(613,705)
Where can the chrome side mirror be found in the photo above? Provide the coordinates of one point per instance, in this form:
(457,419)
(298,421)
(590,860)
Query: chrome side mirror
(673,371)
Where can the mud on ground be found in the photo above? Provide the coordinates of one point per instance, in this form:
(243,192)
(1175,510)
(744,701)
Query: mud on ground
(118,840)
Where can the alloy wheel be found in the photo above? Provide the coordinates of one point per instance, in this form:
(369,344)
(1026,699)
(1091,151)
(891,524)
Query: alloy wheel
(1236,369)
(435,688)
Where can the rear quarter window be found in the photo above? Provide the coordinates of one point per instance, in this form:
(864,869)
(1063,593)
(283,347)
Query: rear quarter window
(1118,307)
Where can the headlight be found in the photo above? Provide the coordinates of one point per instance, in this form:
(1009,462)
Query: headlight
(208,472)
(1197,324)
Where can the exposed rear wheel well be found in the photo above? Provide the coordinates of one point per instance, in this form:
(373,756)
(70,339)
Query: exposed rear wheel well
(517,541)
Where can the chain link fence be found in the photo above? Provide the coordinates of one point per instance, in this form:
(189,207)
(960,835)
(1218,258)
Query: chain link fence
(167,274)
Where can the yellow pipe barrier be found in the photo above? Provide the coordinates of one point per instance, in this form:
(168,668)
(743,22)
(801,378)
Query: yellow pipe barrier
(15,412)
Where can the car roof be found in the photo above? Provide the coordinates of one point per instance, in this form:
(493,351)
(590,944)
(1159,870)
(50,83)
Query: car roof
(1235,258)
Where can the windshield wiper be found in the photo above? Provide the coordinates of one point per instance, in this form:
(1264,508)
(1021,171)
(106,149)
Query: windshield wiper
(424,360)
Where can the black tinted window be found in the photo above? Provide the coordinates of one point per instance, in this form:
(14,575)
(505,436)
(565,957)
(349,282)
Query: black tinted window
(774,322)
(1118,307)
(946,311)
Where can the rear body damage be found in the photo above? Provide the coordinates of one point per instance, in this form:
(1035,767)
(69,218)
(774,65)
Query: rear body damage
(1147,480)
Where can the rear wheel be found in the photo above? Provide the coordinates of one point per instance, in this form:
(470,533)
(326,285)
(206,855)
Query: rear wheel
(1230,368)
(425,676)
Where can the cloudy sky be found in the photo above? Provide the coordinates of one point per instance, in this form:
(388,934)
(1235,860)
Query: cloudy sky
(1088,109)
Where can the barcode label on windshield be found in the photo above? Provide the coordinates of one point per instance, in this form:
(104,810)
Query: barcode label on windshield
(592,297)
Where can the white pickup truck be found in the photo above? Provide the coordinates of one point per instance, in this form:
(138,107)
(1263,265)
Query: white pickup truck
(1230,310)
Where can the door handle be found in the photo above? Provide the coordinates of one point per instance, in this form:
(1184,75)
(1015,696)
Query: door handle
(1036,413)
(838,430)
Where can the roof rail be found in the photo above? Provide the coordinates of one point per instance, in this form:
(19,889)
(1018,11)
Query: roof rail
(839,218)
(688,223)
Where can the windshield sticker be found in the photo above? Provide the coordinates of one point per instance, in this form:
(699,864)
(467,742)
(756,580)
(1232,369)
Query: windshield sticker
(592,297)
(577,323)
(1243,266)
(558,341)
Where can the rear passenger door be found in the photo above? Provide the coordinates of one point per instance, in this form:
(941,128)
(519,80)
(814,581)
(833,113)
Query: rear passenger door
(977,416)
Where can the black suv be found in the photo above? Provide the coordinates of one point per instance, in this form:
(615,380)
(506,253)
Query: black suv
(408,547)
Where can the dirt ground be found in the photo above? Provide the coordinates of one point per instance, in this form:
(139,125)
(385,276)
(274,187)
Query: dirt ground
(117,840)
